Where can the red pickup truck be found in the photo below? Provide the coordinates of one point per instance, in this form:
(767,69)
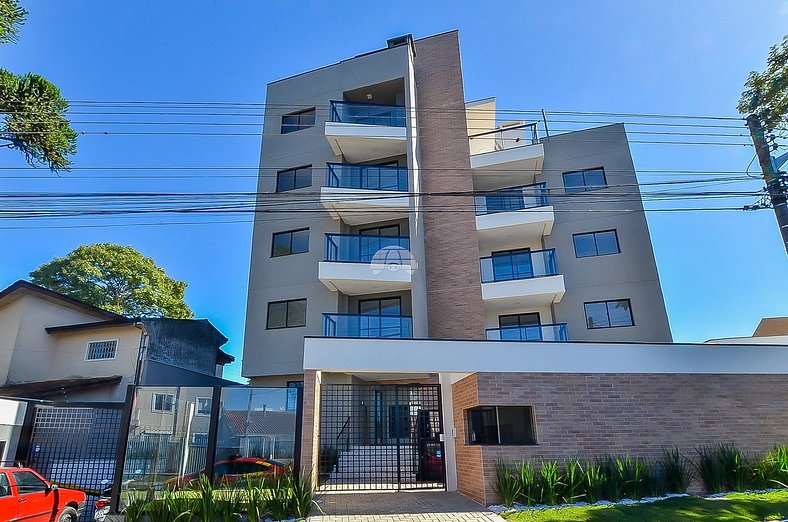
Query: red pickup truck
(27,496)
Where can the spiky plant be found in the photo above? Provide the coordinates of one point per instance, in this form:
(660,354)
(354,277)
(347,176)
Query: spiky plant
(677,470)
(593,482)
(551,482)
(574,489)
(507,484)
(529,484)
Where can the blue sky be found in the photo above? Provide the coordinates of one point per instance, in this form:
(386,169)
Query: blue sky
(721,272)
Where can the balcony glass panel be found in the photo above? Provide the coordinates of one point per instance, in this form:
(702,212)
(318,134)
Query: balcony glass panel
(543,332)
(370,177)
(349,248)
(368,326)
(512,199)
(522,264)
(368,113)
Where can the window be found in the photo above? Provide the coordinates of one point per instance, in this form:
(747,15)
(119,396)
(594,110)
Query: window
(296,121)
(291,179)
(27,482)
(292,394)
(582,180)
(98,350)
(520,327)
(286,314)
(290,242)
(5,487)
(204,405)
(505,425)
(596,243)
(162,402)
(512,264)
(200,439)
(609,314)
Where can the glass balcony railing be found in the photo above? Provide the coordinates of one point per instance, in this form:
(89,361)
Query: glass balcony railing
(537,332)
(512,199)
(368,113)
(370,177)
(522,264)
(368,326)
(351,248)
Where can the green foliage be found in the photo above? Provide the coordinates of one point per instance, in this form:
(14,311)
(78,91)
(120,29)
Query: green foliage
(530,492)
(279,499)
(34,120)
(574,486)
(676,471)
(116,278)
(134,511)
(710,469)
(171,507)
(614,484)
(302,501)
(551,482)
(766,93)
(735,468)
(12,16)
(594,480)
(507,484)
(256,500)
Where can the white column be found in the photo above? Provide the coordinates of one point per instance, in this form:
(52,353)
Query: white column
(449,432)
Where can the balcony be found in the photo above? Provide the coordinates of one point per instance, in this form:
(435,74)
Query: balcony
(513,215)
(359,194)
(526,278)
(366,131)
(357,264)
(537,332)
(368,326)
(508,155)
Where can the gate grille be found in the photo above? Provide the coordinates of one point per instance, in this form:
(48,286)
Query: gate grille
(381,436)
(76,447)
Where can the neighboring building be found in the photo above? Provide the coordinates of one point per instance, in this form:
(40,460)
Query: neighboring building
(58,348)
(449,288)
(771,330)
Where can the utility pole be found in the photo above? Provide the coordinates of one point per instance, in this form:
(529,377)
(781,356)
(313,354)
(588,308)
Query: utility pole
(776,182)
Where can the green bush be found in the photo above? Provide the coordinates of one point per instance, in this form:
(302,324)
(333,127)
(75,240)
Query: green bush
(614,484)
(736,470)
(507,484)
(594,480)
(574,486)
(530,493)
(551,482)
(676,471)
(710,469)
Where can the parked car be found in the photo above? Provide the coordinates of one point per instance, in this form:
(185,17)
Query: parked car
(26,495)
(229,471)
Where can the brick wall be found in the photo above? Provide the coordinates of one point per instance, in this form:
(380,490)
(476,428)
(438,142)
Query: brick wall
(469,458)
(454,303)
(590,415)
(310,428)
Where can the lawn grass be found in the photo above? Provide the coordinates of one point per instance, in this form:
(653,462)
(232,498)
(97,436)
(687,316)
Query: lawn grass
(737,506)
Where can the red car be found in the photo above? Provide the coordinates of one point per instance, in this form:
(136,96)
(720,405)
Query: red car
(27,496)
(232,470)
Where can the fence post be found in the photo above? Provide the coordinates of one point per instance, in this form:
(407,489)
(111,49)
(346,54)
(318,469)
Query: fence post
(213,432)
(299,420)
(123,441)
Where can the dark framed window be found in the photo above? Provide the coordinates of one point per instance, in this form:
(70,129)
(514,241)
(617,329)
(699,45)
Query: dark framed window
(290,242)
(286,314)
(292,179)
(27,483)
(384,306)
(163,402)
(512,264)
(388,230)
(296,121)
(5,487)
(502,425)
(292,394)
(608,314)
(601,243)
(204,405)
(582,180)
(520,327)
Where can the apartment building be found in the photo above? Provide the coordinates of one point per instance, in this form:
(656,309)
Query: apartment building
(450,286)
(498,231)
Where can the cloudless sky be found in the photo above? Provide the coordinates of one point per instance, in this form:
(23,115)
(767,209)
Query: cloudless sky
(721,271)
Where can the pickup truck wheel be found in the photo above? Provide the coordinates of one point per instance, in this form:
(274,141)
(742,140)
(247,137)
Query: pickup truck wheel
(68,514)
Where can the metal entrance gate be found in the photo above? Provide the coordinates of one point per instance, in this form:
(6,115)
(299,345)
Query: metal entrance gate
(76,447)
(381,436)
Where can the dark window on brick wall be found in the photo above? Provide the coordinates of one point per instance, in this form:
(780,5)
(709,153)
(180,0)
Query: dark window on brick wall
(296,121)
(502,425)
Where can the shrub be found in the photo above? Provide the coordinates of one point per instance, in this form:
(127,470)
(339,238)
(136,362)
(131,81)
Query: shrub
(779,459)
(710,469)
(529,485)
(573,489)
(614,485)
(551,482)
(735,468)
(256,500)
(279,493)
(134,510)
(593,482)
(676,471)
(507,484)
(302,500)
(171,507)
(645,481)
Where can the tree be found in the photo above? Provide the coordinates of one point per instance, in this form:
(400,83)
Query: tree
(116,278)
(34,111)
(766,93)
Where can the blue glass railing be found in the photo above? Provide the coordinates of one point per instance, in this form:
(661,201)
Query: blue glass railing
(371,177)
(368,326)
(525,264)
(512,199)
(353,248)
(368,113)
(537,332)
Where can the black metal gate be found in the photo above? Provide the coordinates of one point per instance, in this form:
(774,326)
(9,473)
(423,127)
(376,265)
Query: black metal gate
(76,447)
(381,436)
